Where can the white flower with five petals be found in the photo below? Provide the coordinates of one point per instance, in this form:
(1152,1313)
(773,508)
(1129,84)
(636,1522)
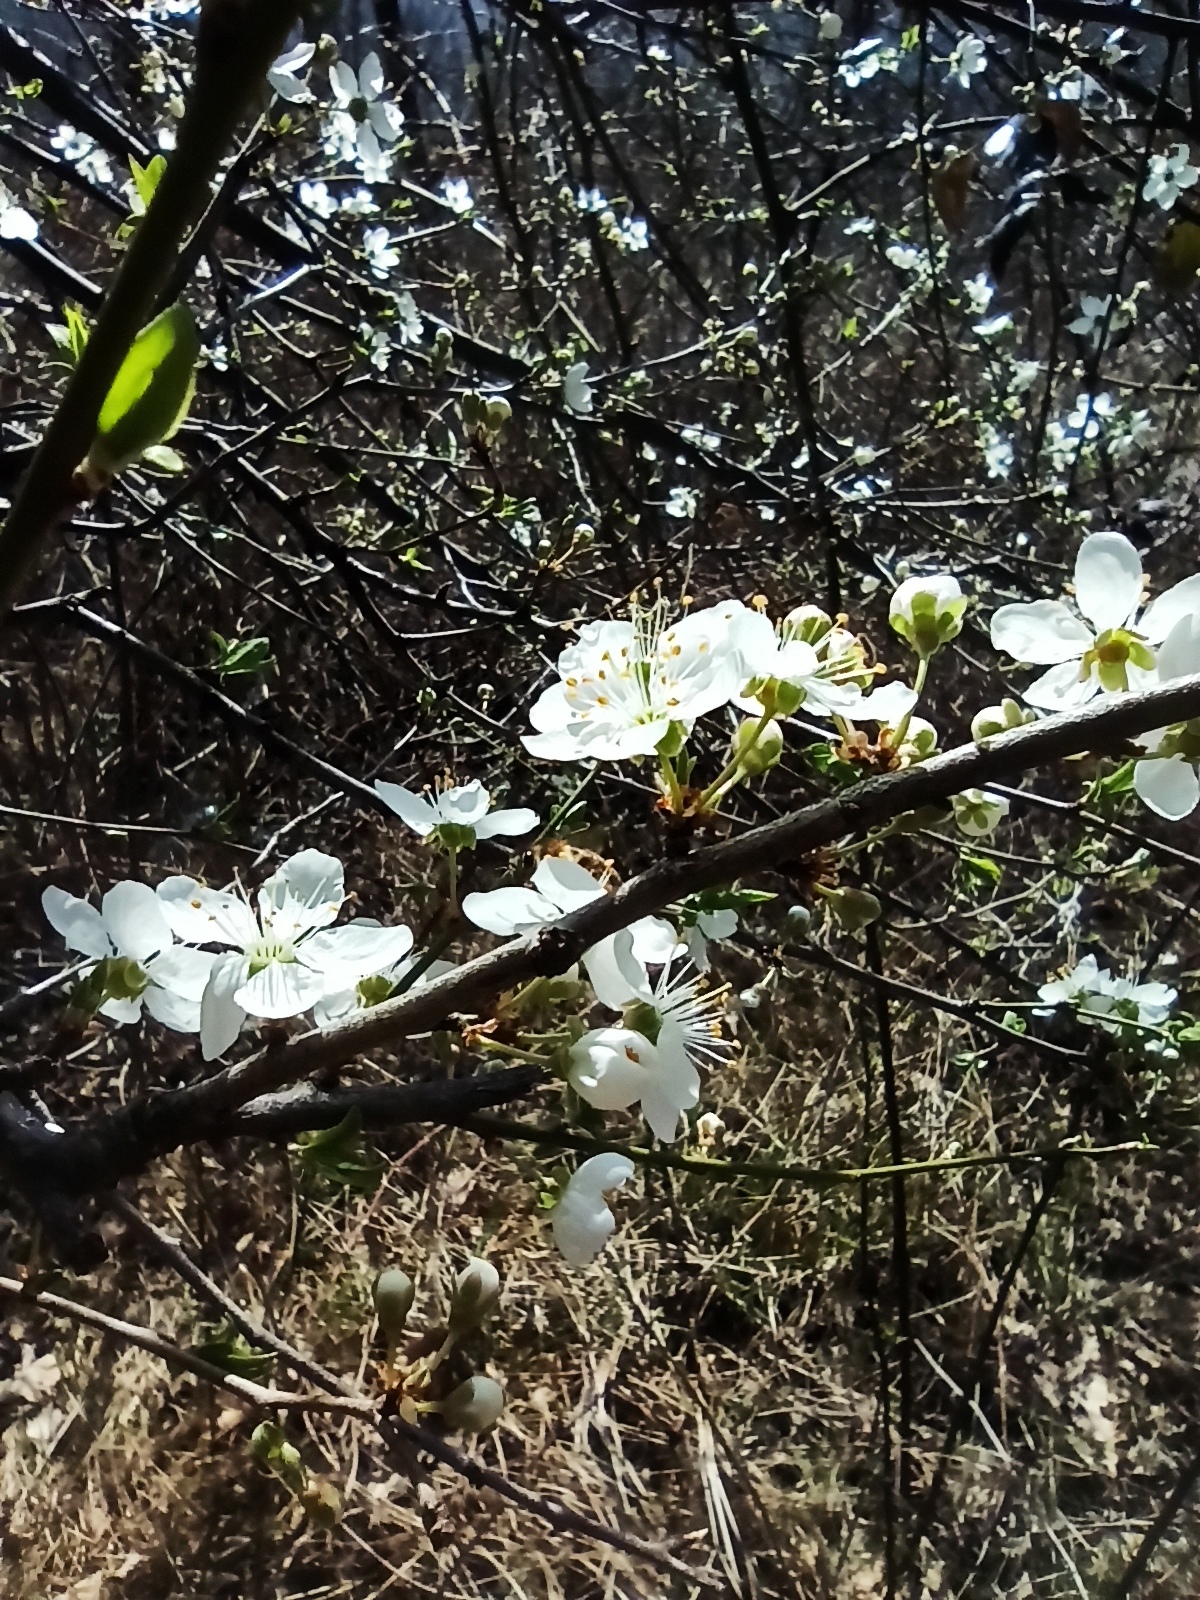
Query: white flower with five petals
(362,119)
(654,1059)
(130,926)
(463,809)
(1101,646)
(623,685)
(582,1221)
(616,967)
(1100,997)
(283,958)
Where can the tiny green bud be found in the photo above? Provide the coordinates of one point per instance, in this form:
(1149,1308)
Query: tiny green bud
(394,1295)
(799,919)
(756,751)
(992,720)
(476,1292)
(927,612)
(475,1406)
(853,908)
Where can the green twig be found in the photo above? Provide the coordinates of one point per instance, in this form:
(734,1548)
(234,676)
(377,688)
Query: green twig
(236,43)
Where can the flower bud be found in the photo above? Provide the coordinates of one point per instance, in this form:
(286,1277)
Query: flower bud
(992,720)
(476,1291)
(643,1018)
(978,813)
(927,612)
(756,752)
(853,908)
(808,623)
(475,1406)
(394,1295)
(799,919)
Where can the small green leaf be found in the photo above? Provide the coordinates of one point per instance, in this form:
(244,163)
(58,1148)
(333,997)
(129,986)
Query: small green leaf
(227,1349)
(150,395)
(339,1156)
(242,658)
(145,182)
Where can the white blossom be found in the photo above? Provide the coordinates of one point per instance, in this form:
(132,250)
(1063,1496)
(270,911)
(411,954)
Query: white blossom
(283,74)
(315,197)
(362,122)
(1102,998)
(860,63)
(966,60)
(381,254)
(616,967)
(466,810)
(168,979)
(1101,645)
(282,960)
(681,502)
(830,26)
(623,685)
(805,654)
(577,391)
(84,154)
(581,1221)
(927,612)
(1168,176)
(456,192)
(15,221)
(409,323)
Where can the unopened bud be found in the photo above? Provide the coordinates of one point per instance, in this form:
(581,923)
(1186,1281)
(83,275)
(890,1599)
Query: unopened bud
(475,1406)
(992,720)
(809,623)
(799,919)
(854,908)
(756,751)
(476,1291)
(927,612)
(394,1295)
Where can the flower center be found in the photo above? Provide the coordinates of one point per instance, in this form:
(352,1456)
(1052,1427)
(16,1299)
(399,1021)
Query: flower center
(1111,656)
(268,949)
(358,108)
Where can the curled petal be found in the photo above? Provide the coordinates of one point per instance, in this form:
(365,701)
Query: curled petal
(414,810)
(221,1017)
(507,823)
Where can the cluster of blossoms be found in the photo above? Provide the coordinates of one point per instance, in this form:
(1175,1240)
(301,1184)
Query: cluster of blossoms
(205,960)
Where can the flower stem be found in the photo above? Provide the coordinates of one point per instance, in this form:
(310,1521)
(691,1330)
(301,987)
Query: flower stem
(674,793)
(452,888)
(902,727)
(728,776)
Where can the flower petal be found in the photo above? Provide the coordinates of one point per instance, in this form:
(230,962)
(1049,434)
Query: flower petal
(307,892)
(343,83)
(280,989)
(1108,580)
(80,924)
(565,883)
(414,810)
(134,920)
(655,942)
(1061,689)
(172,1010)
(1179,653)
(356,950)
(206,916)
(1042,633)
(221,1017)
(509,911)
(609,1067)
(1161,615)
(183,971)
(1169,786)
(370,77)
(513,822)
(615,973)
(466,805)
(123,1011)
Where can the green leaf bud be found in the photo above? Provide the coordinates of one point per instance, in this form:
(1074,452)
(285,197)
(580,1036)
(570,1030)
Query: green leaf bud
(394,1295)
(756,751)
(150,395)
(475,1406)
(476,1292)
